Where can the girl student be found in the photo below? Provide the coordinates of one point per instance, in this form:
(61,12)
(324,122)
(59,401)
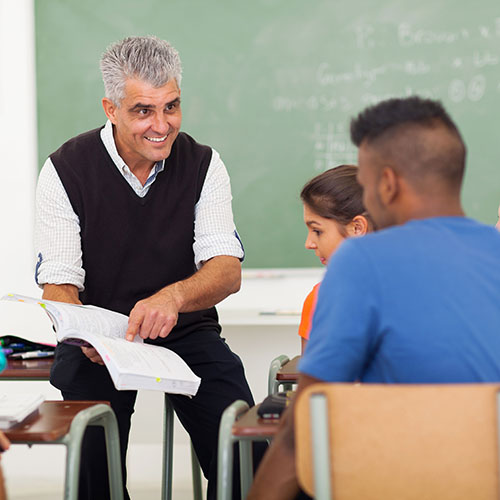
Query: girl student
(333,211)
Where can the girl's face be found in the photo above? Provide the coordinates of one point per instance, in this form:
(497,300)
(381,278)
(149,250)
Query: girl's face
(323,235)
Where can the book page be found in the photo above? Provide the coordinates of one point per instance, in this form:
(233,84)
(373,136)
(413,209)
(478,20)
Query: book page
(77,320)
(145,359)
(88,320)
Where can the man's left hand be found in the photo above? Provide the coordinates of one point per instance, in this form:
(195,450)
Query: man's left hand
(93,355)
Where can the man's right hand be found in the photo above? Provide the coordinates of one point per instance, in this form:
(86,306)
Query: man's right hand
(153,317)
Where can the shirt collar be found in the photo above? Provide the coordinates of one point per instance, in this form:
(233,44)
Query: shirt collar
(109,143)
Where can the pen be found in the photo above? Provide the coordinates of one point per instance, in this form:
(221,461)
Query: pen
(32,354)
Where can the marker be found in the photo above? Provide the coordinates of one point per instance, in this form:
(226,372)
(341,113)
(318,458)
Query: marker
(19,348)
(32,354)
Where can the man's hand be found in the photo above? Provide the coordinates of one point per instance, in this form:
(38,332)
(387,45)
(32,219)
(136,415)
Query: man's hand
(153,317)
(156,316)
(4,442)
(93,355)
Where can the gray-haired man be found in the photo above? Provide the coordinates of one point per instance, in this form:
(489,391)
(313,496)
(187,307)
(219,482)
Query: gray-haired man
(136,217)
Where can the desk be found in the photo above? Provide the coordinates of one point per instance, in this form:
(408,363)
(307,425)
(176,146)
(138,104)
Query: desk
(39,369)
(289,372)
(50,423)
(244,430)
(65,422)
(283,372)
(27,369)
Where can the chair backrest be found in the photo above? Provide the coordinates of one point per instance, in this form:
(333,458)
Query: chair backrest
(394,442)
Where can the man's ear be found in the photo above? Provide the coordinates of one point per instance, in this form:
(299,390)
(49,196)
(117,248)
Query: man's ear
(388,186)
(110,109)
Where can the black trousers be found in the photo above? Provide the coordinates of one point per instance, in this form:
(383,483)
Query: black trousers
(223,381)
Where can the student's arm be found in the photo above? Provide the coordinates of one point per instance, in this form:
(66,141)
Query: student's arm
(157,315)
(4,442)
(276,477)
(4,446)
(303,343)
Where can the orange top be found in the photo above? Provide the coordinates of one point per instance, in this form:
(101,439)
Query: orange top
(308,312)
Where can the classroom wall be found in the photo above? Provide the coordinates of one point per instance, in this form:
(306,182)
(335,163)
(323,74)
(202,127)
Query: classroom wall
(273,85)
(17,144)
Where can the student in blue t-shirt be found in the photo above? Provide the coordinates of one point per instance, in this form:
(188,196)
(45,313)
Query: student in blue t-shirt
(419,300)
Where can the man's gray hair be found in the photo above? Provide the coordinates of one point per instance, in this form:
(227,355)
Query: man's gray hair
(146,58)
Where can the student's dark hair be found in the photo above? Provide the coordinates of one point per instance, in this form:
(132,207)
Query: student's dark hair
(375,120)
(336,194)
(400,129)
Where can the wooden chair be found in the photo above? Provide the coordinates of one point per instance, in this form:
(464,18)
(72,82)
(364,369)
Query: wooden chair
(393,442)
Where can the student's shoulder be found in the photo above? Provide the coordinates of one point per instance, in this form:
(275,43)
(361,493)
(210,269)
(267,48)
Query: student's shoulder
(375,242)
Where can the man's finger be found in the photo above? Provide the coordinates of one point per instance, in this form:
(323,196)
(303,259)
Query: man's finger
(167,328)
(134,324)
(150,318)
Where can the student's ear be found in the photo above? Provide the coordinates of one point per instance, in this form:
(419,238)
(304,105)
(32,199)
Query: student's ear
(110,109)
(388,186)
(358,226)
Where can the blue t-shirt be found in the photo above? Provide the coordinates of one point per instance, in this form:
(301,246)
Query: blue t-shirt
(417,303)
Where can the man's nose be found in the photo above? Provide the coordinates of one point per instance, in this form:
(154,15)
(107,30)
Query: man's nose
(160,124)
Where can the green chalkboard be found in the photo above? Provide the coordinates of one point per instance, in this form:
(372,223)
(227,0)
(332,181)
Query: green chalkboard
(272,85)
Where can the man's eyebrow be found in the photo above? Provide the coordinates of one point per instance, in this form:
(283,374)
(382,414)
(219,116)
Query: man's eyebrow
(141,106)
(175,101)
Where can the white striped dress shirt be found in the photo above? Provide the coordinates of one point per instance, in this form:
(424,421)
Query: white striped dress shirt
(57,226)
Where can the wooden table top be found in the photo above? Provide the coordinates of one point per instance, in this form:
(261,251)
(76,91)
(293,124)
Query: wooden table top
(27,369)
(51,422)
(289,372)
(251,425)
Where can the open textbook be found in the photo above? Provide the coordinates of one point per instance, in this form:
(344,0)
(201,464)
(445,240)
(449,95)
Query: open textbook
(132,365)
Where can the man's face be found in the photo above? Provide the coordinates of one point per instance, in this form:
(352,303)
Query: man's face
(369,168)
(147,122)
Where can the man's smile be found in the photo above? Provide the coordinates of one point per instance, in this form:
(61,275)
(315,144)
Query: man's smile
(156,139)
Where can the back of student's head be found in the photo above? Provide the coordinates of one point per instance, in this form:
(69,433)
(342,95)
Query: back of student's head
(417,138)
(335,194)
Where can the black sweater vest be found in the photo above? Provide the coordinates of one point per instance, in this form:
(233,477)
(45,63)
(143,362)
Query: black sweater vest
(132,246)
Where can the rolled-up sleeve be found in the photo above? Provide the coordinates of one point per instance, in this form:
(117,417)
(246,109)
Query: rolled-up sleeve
(57,233)
(215,232)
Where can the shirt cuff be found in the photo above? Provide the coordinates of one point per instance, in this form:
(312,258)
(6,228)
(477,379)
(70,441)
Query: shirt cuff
(213,246)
